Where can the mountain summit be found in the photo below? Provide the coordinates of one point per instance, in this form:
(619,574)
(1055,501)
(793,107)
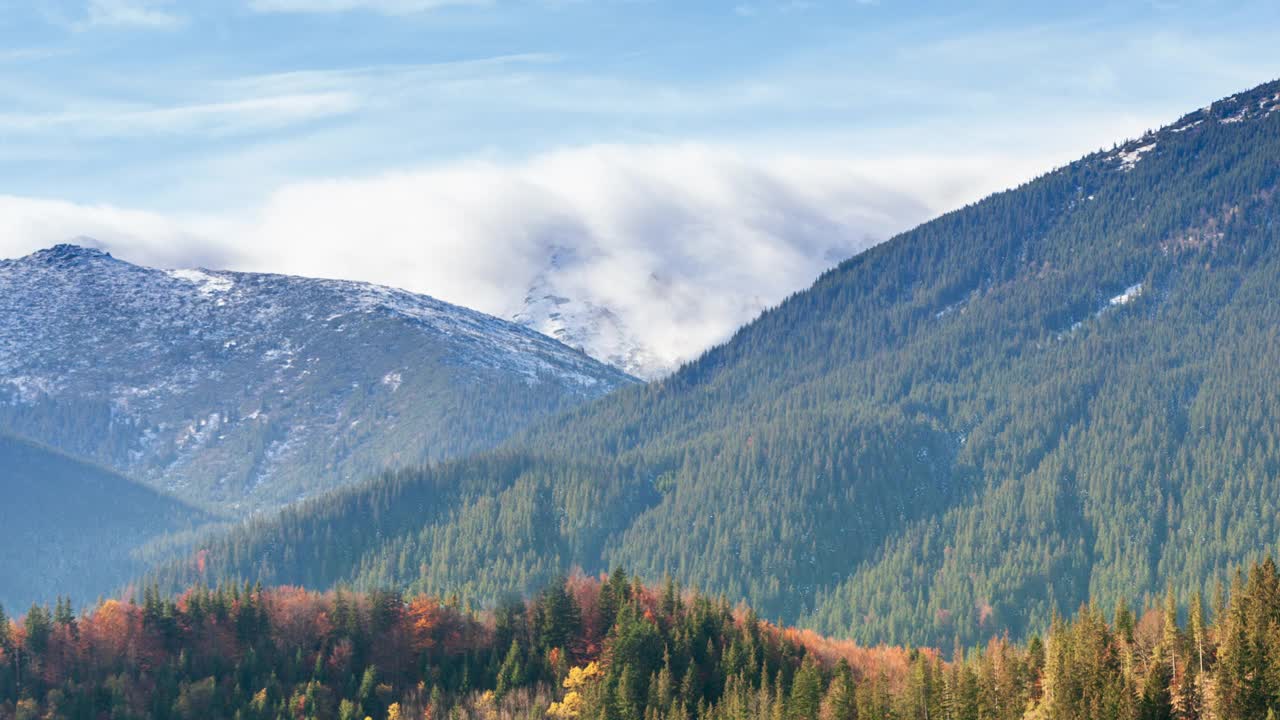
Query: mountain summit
(241,391)
(66,254)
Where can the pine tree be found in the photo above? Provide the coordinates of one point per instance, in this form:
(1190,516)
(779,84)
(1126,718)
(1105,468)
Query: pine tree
(615,592)
(1232,692)
(841,700)
(560,616)
(368,683)
(1171,637)
(627,697)
(511,673)
(670,598)
(663,687)
(38,626)
(1124,621)
(1156,700)
(1195,623)
(806,692)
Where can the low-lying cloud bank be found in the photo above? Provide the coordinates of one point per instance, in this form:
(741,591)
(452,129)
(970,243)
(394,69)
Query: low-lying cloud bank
(674,246)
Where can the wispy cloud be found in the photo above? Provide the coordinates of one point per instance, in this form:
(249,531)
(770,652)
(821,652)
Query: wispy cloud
(261,103)
(368,80)
(217,119)
(756,9)
(17,55)
(131,13)
(387,7)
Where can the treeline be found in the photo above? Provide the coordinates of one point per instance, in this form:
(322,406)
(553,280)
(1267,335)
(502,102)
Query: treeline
(613,649)
(584,647)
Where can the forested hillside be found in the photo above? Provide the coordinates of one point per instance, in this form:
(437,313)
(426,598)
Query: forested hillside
(1065,391)
(613,649)
(69,528)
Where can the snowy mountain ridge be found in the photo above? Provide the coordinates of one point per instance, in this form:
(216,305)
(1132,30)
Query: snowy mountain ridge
(243,390)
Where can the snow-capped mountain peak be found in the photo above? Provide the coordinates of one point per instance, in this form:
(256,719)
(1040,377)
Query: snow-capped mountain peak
(588,326)
(245,390)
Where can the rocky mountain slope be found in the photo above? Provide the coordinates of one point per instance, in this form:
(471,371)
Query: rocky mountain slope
(243,391)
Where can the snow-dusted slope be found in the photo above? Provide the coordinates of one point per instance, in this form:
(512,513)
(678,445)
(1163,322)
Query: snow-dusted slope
(247,390)
(586,324)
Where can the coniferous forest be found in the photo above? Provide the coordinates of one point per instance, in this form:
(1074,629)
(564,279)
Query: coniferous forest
(104,523)
(610,648)
(1063,392)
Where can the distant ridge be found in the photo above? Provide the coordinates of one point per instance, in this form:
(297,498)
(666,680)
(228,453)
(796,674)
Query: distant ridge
(242,391)
(72,528)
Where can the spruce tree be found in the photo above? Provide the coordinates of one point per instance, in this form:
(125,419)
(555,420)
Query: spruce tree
(511,673)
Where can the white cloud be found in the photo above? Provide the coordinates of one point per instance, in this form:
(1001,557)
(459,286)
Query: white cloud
(387,7)
(683,243)
(29,224)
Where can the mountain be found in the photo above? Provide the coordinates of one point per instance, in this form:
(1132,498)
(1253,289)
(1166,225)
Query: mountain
(1065,391)
(241,391)
(71,528)
(646,311)
(587,324)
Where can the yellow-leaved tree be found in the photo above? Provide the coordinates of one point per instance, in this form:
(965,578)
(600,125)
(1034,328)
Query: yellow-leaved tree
(575,685)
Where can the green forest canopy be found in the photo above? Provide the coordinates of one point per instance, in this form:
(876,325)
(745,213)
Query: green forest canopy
(1063,392)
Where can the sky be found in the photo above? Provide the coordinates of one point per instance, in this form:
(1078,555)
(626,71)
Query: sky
(698,161)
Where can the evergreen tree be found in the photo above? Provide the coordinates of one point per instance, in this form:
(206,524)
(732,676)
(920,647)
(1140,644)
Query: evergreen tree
(561,617)
(511,674)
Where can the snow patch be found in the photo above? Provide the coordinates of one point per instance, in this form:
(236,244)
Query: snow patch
(1129,158)
(392,380)
(1129,295)
(29,388)
(207,283)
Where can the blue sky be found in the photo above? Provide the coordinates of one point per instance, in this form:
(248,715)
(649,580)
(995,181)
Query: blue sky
(204,105)
(444,145)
